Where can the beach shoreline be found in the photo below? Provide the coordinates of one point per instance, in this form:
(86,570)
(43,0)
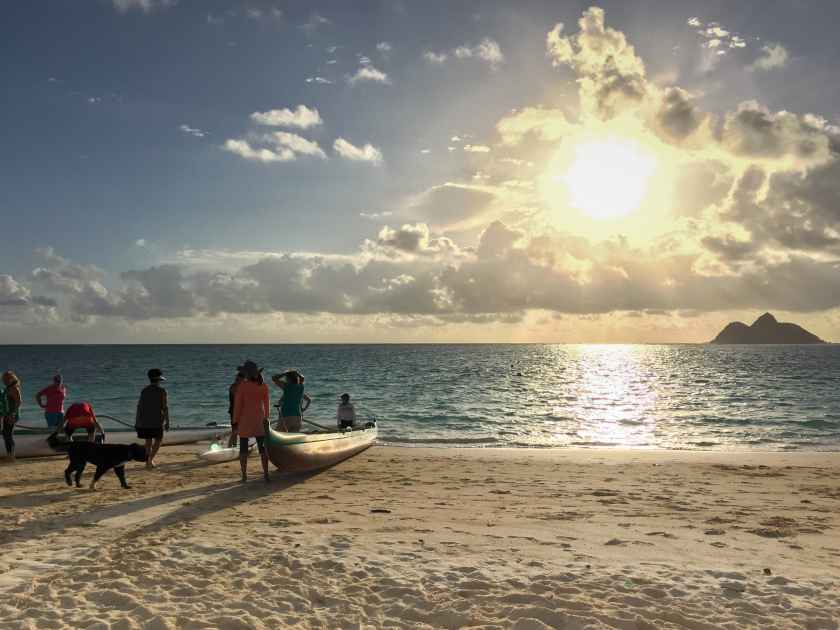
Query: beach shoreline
(430,537)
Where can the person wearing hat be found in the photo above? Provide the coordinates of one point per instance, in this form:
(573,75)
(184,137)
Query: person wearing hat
(251,408)
(152,417)
(346,414)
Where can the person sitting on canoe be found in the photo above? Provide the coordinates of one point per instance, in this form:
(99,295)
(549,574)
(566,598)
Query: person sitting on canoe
(291,405)
(10,402)
(51,400)
(346,414)
(152,417)
(80,416)
(240,376)
(251,408)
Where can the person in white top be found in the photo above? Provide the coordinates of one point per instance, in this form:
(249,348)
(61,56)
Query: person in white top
(346,414)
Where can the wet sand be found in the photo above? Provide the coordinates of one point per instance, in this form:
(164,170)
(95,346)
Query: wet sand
(400,537)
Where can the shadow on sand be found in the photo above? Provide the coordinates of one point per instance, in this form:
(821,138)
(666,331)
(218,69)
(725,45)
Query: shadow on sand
(208,499)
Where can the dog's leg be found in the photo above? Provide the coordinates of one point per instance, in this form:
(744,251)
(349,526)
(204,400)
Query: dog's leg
(80,468)
(100,470)
(120,472)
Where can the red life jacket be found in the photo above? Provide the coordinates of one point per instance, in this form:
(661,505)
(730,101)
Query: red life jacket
(80,416)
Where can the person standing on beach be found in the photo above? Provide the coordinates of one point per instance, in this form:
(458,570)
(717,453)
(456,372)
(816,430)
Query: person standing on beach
(240,376)
(292,404)
(51,400)
(10,402)
(152,417)
(251,408)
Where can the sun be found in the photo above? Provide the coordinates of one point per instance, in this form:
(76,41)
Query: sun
(608,179)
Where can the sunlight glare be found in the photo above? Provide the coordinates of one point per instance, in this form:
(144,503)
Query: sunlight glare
(608,179)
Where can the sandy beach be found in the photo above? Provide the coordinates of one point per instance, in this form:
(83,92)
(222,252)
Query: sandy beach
(401,537)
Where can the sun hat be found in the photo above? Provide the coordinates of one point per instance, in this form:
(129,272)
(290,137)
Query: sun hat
(250,369)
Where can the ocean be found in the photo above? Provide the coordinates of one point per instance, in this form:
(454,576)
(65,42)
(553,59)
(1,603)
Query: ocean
(639,396)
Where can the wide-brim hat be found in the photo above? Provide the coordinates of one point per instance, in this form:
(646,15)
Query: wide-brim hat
(249,369)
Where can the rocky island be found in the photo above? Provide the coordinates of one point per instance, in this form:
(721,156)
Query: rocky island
(766,329)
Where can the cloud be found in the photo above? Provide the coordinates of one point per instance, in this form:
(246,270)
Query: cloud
(243,149)
(297,144)
(302,117)
(314,23)
(753,131)
(678,115)
(486,50)
(384,47)
(319,80)
(773,56)
(368,73)
(476,148)
(366,153)
(12,293)
(436,58)
(192,131)
(545,124)
(451,204)
(414,239)
(146,6)
(611,76)
(140,242)
(375,216)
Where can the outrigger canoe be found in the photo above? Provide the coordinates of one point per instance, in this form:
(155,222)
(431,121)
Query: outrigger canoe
(304,452)
(31,442)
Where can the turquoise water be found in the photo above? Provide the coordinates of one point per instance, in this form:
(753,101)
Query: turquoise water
(647,396)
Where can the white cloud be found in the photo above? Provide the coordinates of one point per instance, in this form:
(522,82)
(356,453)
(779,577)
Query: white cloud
(425,151)
(302,117)
(140,242)
(384,47)
(373,216)
(192,131)
(437,58)
(315,21)
(368,73)
(145,6)
(694,22)
(366,153)
(244,150)
(319,80)
(476,148)
(773,56)
(486,50)
(297,144)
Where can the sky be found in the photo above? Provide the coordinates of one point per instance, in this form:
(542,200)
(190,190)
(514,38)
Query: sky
(178,171)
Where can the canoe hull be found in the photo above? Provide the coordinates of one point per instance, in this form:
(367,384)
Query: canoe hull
(29,443)
(305,452)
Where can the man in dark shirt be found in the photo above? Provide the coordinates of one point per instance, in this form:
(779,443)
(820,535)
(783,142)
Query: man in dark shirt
(152,417)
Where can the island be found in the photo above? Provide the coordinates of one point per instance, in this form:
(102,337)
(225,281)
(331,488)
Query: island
(766,329)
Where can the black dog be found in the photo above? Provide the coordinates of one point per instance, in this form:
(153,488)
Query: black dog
(104,457)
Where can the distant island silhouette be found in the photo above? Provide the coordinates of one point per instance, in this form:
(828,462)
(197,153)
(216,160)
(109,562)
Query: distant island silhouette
(766,329)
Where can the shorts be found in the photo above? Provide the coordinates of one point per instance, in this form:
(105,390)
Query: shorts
(345,424)
(243,444)
(54,419)
(146,433)
(292,424)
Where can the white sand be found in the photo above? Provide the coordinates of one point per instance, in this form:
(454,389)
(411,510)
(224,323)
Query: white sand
(484,538)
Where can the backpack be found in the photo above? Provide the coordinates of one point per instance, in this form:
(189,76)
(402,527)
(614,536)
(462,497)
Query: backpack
(5,404)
